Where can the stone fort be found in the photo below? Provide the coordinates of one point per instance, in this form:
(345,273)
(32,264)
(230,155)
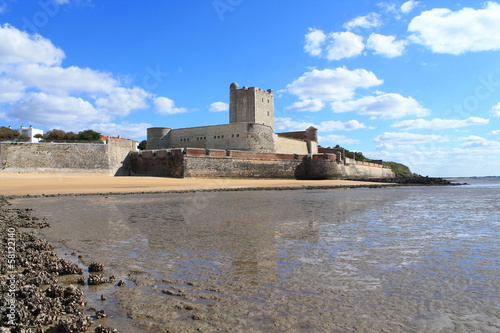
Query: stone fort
(250,128)
(247,147)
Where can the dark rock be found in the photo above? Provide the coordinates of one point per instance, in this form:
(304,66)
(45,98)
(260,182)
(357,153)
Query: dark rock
(96,267)
(102,329)
(101,314)
(74,324)
(95,280)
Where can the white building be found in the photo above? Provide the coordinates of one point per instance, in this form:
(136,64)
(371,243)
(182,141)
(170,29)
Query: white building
(30,132)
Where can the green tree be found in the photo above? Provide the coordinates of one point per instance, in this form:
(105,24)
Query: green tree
(23,138)
(71,136)
(398,168)
(8,134)
(89,135)
(142,145)
(55,135)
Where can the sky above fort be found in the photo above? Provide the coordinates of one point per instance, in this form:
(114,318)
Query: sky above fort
(415,82)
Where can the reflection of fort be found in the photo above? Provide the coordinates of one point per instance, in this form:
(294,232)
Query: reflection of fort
(254,237)
(244,237)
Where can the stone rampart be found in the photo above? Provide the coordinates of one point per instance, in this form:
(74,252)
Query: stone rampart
(290,145)
(192,163)
(109,158)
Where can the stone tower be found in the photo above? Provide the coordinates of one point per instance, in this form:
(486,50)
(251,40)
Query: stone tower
(251,105)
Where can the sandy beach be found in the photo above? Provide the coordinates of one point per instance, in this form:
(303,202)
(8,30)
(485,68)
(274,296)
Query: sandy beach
(50,184)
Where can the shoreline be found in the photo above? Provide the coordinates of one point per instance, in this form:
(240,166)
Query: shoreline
(14,186)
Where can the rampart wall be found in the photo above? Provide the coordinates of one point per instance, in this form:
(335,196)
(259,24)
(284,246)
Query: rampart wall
(288,145)
(109,158)
(213,163)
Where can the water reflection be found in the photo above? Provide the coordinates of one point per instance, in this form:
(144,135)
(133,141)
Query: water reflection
(301,259)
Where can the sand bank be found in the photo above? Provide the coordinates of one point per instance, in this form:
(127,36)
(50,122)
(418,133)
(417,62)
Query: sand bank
(50,184)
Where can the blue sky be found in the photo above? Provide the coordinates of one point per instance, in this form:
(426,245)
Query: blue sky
(416,82)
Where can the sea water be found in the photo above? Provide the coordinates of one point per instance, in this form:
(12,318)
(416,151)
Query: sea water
(406,259)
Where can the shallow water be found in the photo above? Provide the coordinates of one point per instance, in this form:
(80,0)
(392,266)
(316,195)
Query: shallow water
(408,259)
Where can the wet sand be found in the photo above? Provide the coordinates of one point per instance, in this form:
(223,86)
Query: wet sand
(366,260)
(50,184)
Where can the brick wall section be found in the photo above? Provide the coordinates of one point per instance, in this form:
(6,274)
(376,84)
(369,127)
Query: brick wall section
(195,152)
(265,156)
(216,153)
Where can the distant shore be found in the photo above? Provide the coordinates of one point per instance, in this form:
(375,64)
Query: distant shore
(17,185)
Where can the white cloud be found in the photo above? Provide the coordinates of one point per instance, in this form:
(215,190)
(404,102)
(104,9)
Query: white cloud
(3,7)
(438,123)
(10,90)
(19,47)
(166,106)
(121,101)
(324,126)
(455,32)
(408,6)
(369,21)
(385,45)
(314,41)
(218,107)
(333,46)
(477,142)
(398,147)
(332,140)
(64,81)
(61,2)
(311,104)
(496,132)
(495,110)
(344,45)
(124,129)
(386,106)
(389,7)
(50,110)
(335,125)
(405,138)
(332,84)
(289,124)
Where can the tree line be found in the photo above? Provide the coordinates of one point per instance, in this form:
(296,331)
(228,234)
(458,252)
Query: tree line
(53,135)
(10,134)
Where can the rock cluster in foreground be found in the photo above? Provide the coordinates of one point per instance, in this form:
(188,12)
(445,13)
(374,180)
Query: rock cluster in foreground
(33,299)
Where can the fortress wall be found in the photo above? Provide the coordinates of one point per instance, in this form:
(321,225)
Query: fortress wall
(65,158)
(321,168)
(290,146)
(368,171)
(204,167)
(160,163)
(118,151)
(238,136)
(54,158)
(238,164)
(213,164)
